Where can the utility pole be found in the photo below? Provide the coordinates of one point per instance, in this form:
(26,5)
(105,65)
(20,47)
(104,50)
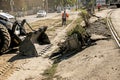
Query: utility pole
(47,6)
(76,5)
(43,5)
(12,5)
(93,6)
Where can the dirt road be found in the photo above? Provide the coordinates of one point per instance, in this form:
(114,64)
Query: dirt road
(97,62)
(17,67)
(33,18)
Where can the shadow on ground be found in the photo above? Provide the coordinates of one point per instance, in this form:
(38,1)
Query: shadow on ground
(18,57)
(58,56)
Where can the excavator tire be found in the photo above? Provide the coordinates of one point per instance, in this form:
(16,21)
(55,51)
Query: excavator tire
(5,39)
(118,5)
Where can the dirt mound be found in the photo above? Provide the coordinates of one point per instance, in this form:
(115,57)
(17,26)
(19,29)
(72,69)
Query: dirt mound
(97,62)
(99,27)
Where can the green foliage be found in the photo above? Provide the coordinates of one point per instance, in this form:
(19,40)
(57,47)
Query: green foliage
(78,30)
(71,1)
(91,3)
(78,21)
(85,16)
(84,12)
(49,73)
(64,2)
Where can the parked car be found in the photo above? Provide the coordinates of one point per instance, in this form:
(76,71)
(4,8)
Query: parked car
(41,13)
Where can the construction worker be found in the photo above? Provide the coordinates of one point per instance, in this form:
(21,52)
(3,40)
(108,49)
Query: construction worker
(64,16)
(99,6)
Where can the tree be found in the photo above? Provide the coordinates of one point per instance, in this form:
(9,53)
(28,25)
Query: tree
(64,2)
(12,5)
(89,4)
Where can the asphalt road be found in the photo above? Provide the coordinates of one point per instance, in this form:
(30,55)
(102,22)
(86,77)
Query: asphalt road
(33,18)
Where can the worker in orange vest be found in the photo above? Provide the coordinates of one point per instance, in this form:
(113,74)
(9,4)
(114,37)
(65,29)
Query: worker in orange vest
(64,16)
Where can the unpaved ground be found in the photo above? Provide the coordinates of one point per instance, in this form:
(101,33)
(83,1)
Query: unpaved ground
(17,67)
(99,28)
(29,68)
(97,62)
(116,20)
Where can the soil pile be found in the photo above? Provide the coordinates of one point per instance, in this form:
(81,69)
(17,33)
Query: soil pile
(99,27)
(97,62)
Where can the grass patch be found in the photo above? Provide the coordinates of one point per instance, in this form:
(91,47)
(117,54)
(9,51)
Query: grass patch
(85,16)
(78,29)
(77,22)
(51,29)
(50,72)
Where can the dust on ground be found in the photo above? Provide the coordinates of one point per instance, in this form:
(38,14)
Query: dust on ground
(29,68)
(95,62)
(40,23)
(18,67)
(99,28)
(100,61)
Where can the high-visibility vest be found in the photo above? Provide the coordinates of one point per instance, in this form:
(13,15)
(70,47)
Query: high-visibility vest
(64,15)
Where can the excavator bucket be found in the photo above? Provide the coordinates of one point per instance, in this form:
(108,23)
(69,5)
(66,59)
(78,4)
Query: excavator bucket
(35,43)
